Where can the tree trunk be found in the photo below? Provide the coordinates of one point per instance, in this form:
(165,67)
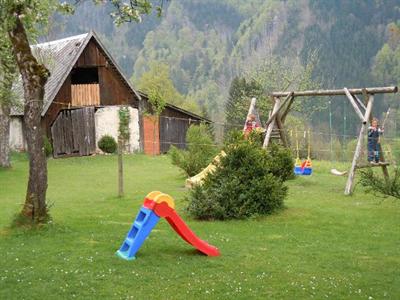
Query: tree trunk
(34,77)
(120,169)
(154,135)
(5,136)
(142,109)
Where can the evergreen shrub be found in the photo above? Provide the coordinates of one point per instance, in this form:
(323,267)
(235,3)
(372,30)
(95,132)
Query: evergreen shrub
(107,144)
(379,186)
(248,181)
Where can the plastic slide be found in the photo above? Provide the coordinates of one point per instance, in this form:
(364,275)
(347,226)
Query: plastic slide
(198,178)
(158,205)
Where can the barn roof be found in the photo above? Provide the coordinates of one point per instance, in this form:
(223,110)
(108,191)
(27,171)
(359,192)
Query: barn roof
(188,113)
(59,57)
(143,95)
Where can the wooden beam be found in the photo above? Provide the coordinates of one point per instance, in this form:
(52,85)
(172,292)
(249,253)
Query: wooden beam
(350,180)
(287,109)
(368,111)
(358,91)
(275,113)
(384,164)
(272,123)
(360,102)
(372,165)
(354,104)
(365,95)
(366,99)
(281,131)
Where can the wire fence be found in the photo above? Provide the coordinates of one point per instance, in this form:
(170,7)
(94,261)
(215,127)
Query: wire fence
(324,145)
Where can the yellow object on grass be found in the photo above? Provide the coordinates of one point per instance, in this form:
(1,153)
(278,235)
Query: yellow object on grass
(198,179)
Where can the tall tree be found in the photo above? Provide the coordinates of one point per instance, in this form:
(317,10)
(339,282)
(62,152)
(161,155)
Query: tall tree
(7,76)
(123,140)
(18,17)
(386,71)
(237,105)
(274,74)
(158,78)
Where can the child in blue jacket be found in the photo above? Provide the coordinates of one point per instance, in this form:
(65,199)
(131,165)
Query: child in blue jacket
(374,146)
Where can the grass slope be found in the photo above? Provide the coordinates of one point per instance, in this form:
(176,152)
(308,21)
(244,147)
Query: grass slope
(324,245)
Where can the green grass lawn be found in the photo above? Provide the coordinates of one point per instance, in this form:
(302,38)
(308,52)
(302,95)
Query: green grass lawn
(324,245)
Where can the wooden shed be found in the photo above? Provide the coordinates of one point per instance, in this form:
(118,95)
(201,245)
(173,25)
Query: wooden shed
(85,80)
(160,133)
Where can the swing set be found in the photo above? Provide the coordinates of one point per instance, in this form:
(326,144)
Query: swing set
(363,109)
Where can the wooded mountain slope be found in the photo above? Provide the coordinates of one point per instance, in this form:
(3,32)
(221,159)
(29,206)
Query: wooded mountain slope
(207,43)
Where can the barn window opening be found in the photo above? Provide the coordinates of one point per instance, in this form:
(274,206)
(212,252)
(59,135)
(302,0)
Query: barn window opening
(84,76)
(85,88)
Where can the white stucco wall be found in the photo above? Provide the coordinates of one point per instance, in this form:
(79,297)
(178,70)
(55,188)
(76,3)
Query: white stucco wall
(17,140)
(107,122)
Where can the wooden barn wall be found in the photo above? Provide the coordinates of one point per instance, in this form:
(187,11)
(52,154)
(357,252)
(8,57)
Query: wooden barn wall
(73,132)
(173,128)
(62,100)
(91,57)
(112,90)
(85,95)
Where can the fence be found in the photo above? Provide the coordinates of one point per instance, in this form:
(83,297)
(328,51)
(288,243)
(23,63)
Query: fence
(324,145)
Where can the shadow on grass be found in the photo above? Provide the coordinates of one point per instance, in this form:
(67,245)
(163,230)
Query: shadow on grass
(20,226)
(173,251)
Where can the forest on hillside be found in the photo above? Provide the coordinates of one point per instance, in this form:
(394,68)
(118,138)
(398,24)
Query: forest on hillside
(204,45)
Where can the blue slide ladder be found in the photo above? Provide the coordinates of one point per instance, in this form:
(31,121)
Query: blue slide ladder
(145,221)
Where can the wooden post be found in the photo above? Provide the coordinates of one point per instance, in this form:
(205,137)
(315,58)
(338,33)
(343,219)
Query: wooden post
(384,165)
(287,109)
(120,169)
(282,133)
(276,112)
(382,156)
(354,104)
(360,102)
(350,180)
(366,99)
(141,111)
(272,123)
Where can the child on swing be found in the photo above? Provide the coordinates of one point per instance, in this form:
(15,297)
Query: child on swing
(251,124)
(374,146)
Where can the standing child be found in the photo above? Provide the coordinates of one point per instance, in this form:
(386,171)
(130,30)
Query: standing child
(374,146)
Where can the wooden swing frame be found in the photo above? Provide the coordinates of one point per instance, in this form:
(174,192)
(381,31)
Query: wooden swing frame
(363,110)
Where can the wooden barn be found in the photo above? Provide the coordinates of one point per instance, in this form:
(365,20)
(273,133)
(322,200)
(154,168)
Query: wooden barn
(82,97)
